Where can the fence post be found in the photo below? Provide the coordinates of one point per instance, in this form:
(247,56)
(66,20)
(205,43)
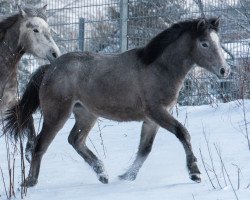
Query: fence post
(81,33)
(124,25)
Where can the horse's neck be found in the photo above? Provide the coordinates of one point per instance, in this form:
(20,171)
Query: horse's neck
(10,55)
(10,52)
(177,59)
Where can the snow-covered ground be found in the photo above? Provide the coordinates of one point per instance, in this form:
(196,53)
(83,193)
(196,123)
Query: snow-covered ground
(65,176)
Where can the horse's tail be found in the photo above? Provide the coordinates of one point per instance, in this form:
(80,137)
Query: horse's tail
(17,118)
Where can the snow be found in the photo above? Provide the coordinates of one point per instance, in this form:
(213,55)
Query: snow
(64,174)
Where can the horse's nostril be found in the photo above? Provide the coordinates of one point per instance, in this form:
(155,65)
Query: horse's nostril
(222,71)
(54,55)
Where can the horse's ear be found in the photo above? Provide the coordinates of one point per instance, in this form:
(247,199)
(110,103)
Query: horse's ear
(215,22)
(22,12)
(201,24)
(44,8)
(41,12)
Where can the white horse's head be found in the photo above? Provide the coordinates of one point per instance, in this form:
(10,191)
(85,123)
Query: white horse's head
(35,34)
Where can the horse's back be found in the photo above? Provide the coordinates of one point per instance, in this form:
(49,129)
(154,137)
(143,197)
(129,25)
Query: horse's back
(93,68)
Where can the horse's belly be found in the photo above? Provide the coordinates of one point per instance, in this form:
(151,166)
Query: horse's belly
(116,107)
(120,113)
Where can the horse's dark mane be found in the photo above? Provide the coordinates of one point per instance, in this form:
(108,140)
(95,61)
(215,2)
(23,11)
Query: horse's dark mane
(7,23)
(11,20)
(157,45)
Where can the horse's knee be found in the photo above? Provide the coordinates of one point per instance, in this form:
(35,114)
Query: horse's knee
(72,136)
(146,149)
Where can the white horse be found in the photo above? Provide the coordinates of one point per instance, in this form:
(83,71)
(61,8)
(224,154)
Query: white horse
(24,32)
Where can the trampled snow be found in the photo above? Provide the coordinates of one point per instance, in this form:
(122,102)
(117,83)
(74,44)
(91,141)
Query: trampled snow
(64,174)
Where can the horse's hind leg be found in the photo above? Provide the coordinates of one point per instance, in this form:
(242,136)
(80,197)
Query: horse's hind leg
(55,117)
(31,140)
(148,132)
(77,138)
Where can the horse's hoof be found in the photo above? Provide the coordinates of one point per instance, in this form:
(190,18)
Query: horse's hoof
(29,182)
(103,178)
(127,177)
(195,177)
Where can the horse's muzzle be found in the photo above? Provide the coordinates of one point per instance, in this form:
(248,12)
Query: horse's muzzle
(224,72)
(52,55)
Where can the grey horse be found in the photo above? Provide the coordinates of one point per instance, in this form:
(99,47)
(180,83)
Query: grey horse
(25,32)
(141,84)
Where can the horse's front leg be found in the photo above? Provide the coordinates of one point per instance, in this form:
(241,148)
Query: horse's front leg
(164,119)
(148,132)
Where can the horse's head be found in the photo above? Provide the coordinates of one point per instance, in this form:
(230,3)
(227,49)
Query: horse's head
(35,37)
(207,51)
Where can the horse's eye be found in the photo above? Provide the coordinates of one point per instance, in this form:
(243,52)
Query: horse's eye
(35,30)
(205,44)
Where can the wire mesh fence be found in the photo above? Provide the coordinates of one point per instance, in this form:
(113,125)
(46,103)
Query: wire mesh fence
(113,26)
